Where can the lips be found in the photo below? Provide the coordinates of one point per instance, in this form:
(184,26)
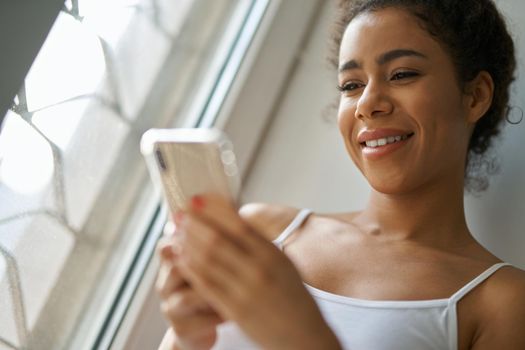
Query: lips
(378,143)
(382,137)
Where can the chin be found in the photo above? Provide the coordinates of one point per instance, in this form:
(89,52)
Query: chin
(392,185)
(388,189)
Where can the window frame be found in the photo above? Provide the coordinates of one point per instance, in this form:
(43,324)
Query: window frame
(269,62)
(274,47)
(67,325)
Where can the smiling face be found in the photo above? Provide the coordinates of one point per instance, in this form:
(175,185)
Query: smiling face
(402,113)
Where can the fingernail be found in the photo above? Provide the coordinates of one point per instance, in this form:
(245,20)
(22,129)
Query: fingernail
(169,229)
(197,202)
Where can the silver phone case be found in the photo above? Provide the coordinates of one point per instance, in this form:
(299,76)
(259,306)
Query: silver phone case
(186,162)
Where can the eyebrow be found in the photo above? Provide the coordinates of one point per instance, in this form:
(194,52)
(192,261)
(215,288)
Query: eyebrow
(383,59)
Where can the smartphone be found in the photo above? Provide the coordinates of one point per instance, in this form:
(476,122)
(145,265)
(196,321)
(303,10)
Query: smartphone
(185,162)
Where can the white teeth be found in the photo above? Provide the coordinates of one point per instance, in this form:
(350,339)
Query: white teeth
(372,143)
(384,141)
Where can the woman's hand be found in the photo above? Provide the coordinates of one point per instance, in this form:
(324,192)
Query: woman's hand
(193,323)
(247,279)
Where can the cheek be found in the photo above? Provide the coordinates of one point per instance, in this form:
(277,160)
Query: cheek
(346,122)
(445,111)
(345,118)
(442,121)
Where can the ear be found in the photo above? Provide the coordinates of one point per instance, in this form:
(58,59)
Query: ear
(479,96)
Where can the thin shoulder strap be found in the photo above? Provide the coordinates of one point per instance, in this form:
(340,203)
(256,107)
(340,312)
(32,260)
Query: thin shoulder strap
(296,222)
(477,281)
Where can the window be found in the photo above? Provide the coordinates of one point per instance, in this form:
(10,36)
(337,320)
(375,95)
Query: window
(75,200)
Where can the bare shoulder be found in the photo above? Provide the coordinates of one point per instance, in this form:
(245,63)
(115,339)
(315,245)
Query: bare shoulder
(268,219)
(503,300)
(506,287)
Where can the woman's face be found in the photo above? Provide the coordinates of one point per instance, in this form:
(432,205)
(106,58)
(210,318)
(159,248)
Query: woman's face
(402,114)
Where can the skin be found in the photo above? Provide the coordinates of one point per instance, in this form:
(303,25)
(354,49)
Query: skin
(230,264)
(411,232)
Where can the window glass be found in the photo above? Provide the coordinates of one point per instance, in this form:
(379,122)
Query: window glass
(75,198)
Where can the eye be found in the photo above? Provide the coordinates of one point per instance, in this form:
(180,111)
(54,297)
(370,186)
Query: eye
(349,86)
(404,75)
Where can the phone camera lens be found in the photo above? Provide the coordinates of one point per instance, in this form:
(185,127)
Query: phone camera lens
(160,159)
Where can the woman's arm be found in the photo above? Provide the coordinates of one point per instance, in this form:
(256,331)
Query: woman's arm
(503,316)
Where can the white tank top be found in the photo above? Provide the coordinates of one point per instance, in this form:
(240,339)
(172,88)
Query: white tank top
(363,324)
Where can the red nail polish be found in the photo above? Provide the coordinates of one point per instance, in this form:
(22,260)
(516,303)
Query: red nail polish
(197,202)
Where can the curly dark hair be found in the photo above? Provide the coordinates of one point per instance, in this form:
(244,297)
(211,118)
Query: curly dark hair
(475,35)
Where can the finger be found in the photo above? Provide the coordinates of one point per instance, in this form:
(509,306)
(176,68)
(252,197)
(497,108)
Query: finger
(219,211)
(212,212)
(164,248)
(215,252)
(222,214)
(199,230)
(168,247)
(209,278)
(219,261)
(200,258)
(184,303)
(169,279)
(169,229)
(197,325)
(213,292)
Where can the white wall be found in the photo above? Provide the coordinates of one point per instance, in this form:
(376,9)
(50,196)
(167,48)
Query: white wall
(302,161)
(498,217)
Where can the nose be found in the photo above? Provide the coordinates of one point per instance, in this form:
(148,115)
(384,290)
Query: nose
(373,102)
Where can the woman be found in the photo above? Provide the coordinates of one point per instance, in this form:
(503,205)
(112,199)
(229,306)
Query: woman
(424,89)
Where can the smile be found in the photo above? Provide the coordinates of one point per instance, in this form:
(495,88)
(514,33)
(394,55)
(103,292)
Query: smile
(375,147)
(385,140)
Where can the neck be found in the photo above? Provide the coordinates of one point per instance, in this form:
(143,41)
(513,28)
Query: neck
(433,214)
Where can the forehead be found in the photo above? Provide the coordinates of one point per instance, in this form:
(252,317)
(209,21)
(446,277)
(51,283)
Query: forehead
(375,32)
